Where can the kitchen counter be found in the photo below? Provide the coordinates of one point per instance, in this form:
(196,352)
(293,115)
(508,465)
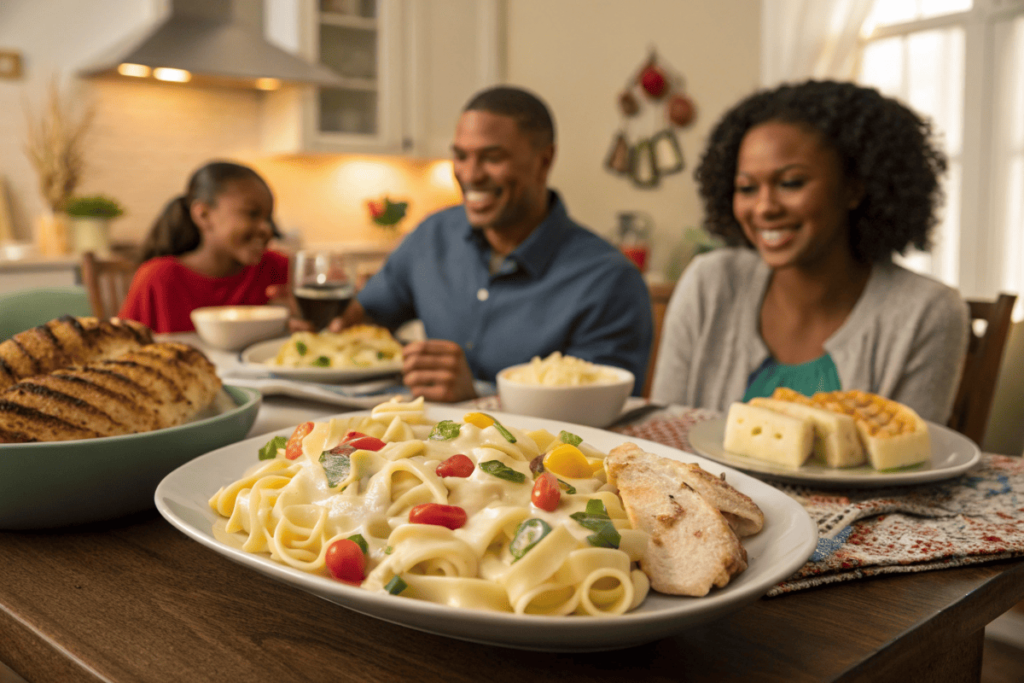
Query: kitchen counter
(39,271)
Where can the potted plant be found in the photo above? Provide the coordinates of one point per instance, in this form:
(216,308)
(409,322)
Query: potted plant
(90,222)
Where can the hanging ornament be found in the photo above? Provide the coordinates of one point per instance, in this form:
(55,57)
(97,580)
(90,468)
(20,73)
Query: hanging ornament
(628,104)
(653,80)
(653,105)
(681,111)
(619,157)
(668,155)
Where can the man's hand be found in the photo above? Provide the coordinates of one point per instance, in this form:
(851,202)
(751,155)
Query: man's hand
(436,369)
(354,314)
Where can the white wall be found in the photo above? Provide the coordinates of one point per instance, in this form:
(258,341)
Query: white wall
(579,54)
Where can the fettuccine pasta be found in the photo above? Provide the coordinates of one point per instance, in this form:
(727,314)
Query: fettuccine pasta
(359,346)
(446,512)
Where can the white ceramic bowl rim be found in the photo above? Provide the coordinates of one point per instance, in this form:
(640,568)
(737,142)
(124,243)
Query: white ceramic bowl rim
(231,313)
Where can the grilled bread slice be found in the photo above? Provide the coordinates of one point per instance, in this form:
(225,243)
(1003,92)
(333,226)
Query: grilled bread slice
(159,385)
(692,547)
(67,341)
(893,434)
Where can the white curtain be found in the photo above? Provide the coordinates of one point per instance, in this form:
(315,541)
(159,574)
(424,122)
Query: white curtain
(803,39)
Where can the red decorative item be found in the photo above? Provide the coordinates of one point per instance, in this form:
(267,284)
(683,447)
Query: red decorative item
(652,79)
(681,111)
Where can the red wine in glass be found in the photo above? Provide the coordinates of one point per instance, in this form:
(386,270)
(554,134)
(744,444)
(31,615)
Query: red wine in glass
(322,303)
(324,284)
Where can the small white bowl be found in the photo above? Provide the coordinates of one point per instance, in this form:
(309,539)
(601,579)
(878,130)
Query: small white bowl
(592,405)
(234,327)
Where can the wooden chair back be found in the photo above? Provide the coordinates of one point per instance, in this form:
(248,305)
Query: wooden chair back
(107,282)
(660,294)
(981,366)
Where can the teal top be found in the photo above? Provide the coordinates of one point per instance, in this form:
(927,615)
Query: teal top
(815,375)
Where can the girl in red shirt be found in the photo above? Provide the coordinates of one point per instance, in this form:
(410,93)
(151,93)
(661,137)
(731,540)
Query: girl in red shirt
(207,248)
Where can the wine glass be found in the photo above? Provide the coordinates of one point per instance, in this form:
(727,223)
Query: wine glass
(324,283)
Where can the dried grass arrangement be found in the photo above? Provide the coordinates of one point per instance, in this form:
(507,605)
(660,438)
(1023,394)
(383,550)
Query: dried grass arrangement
(55,146)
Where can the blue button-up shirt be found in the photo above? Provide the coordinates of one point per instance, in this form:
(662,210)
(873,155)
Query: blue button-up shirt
(563,289)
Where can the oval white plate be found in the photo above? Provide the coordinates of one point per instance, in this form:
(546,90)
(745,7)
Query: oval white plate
(46,485)
(952,455)
(259,354)
(783,545)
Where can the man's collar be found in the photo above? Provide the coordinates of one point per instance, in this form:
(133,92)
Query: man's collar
(536,252)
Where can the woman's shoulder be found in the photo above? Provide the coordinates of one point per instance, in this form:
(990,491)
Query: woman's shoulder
(728,267)
(902,295)
(906,285)
(734,259)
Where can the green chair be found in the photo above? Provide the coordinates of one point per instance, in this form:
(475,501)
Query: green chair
(28,308)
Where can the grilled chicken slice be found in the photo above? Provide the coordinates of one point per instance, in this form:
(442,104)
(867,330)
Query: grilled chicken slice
(67,341)
(743,515)
(692,546)
(159,385)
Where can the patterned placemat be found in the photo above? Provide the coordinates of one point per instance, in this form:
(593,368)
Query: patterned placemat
(976,517)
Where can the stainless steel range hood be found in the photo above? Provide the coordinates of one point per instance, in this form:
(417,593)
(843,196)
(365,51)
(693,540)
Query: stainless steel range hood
(214,42)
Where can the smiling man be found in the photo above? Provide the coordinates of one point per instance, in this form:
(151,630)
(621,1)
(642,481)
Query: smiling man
(507,275)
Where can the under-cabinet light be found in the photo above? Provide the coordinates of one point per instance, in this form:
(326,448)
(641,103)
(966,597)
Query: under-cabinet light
(135,70)
(164,73)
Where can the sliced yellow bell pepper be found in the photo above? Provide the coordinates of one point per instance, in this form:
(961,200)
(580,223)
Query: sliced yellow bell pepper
(542,437)
(568,461)
(478,419)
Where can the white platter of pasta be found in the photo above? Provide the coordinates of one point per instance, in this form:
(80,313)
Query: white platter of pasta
(494,528)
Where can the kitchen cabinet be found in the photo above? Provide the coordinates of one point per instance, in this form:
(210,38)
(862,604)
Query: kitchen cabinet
(408,68)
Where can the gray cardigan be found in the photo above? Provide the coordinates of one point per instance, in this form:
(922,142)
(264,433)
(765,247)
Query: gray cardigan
(905,338)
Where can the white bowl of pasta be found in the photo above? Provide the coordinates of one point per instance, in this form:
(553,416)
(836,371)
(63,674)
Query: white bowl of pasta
(234,327)
(565,388)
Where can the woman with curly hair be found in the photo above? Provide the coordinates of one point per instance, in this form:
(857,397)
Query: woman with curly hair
(815,186)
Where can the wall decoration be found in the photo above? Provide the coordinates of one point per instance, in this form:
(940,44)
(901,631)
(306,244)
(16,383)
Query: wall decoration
(10,64)
(653,106)
(386,213)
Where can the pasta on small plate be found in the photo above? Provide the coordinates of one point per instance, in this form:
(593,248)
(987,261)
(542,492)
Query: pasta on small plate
(357,353)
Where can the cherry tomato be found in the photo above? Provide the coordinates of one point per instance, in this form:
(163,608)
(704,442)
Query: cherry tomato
(451,516)
(546,493)
(293,448)
(458,465)
(360,440)
(346,561)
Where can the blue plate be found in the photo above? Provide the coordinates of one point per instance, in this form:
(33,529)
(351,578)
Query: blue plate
(46,485)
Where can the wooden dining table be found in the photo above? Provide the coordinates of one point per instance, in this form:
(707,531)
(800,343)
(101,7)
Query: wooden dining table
(134,599)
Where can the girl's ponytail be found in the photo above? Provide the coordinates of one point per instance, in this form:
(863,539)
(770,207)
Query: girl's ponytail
(173,233)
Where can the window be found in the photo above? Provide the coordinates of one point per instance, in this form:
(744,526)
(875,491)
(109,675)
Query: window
(961,62)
